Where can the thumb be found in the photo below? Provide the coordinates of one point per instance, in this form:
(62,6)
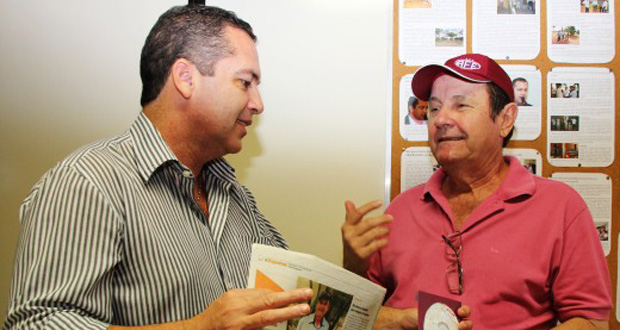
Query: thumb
(351,212)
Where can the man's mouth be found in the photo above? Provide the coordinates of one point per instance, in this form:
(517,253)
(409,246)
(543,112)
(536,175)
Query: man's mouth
(450,138)
(244,123)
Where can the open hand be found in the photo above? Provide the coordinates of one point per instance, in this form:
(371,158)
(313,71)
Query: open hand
(361,237)
(253,309)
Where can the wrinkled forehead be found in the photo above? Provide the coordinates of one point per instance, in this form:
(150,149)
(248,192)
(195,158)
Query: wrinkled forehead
(448,87)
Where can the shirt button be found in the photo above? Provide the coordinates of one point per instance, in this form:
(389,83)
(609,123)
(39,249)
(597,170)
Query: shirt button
(188,174)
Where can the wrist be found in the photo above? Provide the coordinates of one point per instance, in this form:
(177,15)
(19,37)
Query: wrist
(198,322)
(410,318)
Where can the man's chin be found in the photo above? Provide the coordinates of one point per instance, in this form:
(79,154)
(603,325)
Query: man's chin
(447,158)
(234,148)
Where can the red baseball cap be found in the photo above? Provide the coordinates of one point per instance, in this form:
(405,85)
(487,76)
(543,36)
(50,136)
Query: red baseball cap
(476,68)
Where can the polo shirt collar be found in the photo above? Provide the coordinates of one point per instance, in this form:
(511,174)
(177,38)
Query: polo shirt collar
(518,182)
(432,187)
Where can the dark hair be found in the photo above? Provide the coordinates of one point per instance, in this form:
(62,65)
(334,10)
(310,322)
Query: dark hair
(193,32)
(498,99)
(413,101)
(514,81)
(325,296)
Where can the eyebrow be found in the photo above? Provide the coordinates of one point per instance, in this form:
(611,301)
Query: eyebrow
(250,72)
(454,98)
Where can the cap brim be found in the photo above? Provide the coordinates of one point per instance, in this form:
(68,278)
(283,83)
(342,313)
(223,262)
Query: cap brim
(423,79)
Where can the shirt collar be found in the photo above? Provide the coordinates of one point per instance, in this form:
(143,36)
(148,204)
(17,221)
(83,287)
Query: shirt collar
(518,181)
(221,169)
(432,187)
(312,320)
(152,152)
(151,149)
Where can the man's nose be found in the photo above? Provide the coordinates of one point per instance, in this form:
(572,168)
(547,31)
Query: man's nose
(441,117)
(256,102)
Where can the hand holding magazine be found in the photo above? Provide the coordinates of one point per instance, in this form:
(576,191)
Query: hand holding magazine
(342,300)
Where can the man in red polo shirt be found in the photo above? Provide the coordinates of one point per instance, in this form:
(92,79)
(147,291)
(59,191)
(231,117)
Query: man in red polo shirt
(520,250)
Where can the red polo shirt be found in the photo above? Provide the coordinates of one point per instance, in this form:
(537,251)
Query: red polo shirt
(530,253)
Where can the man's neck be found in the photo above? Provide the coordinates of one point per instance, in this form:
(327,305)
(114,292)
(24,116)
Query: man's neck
(479,182)
(174,131)
(466,190)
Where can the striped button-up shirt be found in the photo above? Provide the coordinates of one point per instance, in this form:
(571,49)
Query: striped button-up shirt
(113,235)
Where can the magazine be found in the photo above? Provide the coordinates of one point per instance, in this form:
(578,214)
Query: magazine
(342,299)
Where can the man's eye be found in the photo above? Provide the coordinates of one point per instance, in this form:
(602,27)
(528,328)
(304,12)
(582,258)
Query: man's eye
(246,84)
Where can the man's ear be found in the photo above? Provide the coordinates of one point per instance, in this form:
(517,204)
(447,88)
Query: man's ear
(507,118)
(182,74)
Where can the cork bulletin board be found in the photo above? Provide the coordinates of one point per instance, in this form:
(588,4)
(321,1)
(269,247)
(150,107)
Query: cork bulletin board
(556,160)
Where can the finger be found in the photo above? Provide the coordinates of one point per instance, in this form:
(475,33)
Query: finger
(273,316)
(466,325)
(368,207)
(374,233)
(368,250)
(366,230)
(464,311)
(267,299)
(352,217)
(368,225)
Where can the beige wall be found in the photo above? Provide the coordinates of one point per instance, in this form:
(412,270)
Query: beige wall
(69,75)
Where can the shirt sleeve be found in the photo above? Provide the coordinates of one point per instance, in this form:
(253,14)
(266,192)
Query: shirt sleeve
(375,274)
(68,247)
(582,286)
(270,235)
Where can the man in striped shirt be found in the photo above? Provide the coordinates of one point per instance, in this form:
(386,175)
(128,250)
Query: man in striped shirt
(150,229)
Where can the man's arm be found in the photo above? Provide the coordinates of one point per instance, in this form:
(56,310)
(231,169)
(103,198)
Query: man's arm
(56,243)
(579,323)
(582,287)
(67,247)
(402,319)
(396,319)
(242,309)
